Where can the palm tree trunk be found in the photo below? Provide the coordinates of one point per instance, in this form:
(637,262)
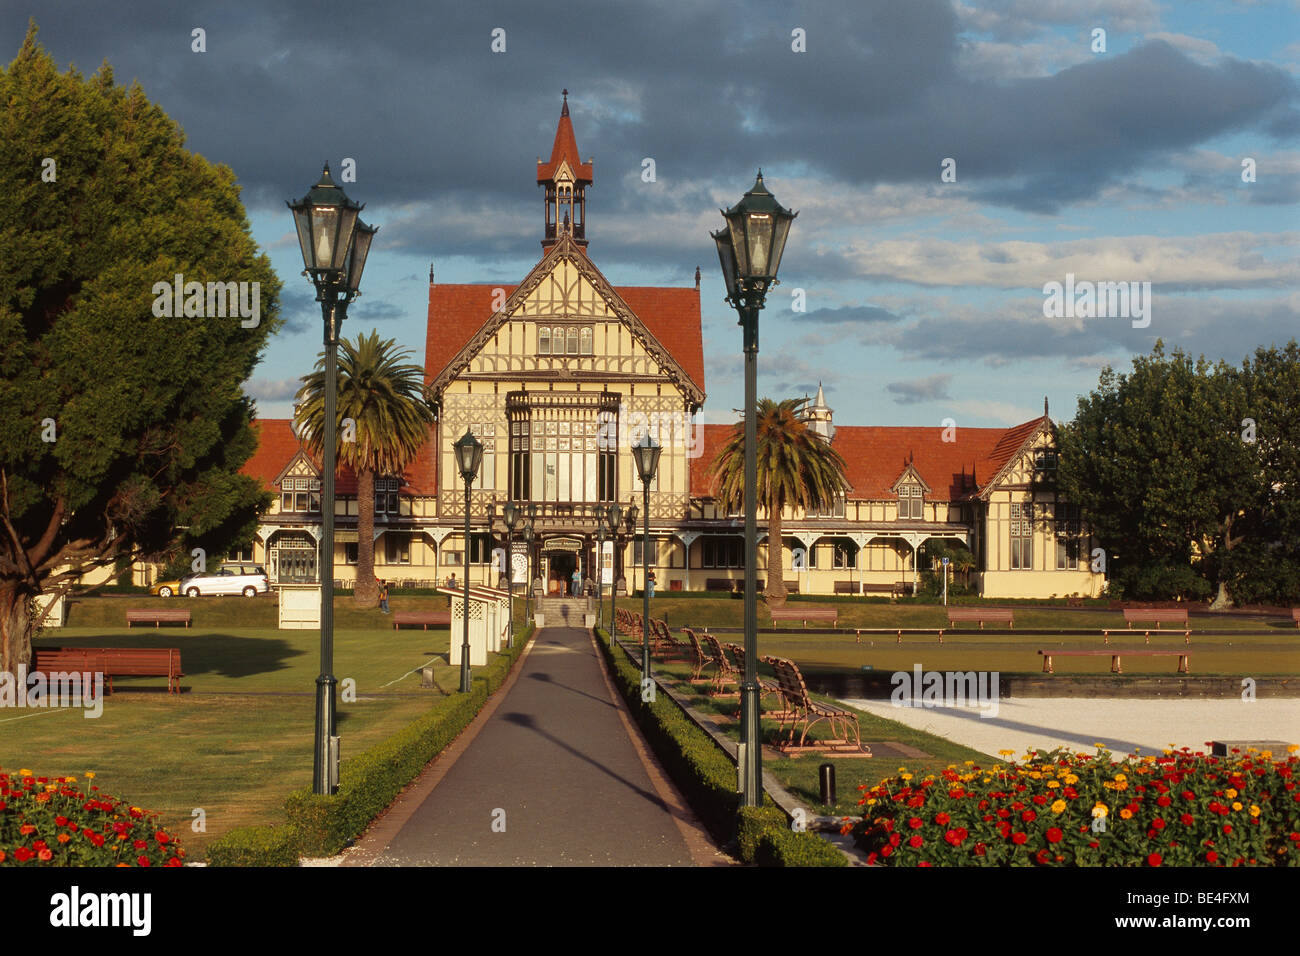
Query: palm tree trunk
(366,593)
(775,590)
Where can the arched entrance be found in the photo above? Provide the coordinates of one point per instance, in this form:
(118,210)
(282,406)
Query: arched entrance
(560,557)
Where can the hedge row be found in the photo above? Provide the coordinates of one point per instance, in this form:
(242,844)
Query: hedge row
(322,825)
(707,776)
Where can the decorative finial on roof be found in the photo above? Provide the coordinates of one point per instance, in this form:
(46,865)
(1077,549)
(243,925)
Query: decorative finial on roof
(564,110)
(1044,406)
(697,278)
(430,273)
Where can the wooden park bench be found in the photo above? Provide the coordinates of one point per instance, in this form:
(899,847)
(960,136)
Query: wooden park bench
(697,658)
(848,587)
(997,616)
(665,644)
(808,713)
(726,671)
(113,662)
(1158,616)
(765,687)
(1115,654)
(719,584)
(157,616)
(426,619)
(791,585)
(805,613)
(1295,615)
(896,590)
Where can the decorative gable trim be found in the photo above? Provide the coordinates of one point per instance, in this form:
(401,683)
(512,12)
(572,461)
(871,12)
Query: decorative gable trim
(1045,426)
(910,476)
(299,466)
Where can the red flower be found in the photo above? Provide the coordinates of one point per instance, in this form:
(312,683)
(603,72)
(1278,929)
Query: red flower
(143,860)
(1019,838)
(1211,857)
(1054,835)
(61,821)
(162,837)
(1158,823)
(1029,816)
(895,839)
(956,837)
(97,839)
(980,849)
(1040,799)
(1042,857)
(22,854)
(916,840)
(916,823)
(886,850)
(942,819)
(139,844)
(1186,819)
(1155,859)
(1227,828)
(1163,800)
(45,855)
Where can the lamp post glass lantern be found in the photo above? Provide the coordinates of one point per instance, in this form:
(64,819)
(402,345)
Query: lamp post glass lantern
(469,456)
(334,245)
(646,455)
(750,246)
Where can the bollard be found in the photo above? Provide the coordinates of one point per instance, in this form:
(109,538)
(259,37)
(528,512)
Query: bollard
(826,774)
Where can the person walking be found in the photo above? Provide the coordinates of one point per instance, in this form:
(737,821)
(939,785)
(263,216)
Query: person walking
(577,581)
(383,596)
(650,584)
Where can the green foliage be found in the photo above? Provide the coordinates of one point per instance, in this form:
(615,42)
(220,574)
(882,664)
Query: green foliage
(383,395)
(752,823)
(797,468)
(780,846)
(1161,465)
(151,424)
(255,846)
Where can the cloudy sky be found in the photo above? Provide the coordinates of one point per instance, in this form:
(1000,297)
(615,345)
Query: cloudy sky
(923,292)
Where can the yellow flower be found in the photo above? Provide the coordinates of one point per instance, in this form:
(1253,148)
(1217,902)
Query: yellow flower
(871,802)
(1071,779)
(1100,810)
(90,775)
(1058,806)
(969,763)
(1254,810)
(24,773)
(988,780)
(1236,805)
(1120,778)
(1230,793)
(1125,814)
(1293,748)
(1006,753)
(905,777)
(1053,783)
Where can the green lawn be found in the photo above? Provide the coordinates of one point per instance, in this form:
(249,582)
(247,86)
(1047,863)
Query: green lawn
(239,739)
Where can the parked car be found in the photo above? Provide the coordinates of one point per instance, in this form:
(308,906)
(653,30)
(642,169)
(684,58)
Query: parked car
(166,588)
(227,580)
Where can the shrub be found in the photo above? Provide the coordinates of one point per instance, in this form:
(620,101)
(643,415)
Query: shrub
(751,824)
(255,846)
(1060,808)
(52,821)
(780,846)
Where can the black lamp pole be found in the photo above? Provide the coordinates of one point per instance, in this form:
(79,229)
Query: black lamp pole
(334,243)
(646,456)
(511,519)
(529,531)
(469,455)
(749,249)
(630,517)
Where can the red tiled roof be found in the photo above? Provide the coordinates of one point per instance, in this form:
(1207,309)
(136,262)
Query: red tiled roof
(457,312)
(876,457)
(277,445)
(565,149)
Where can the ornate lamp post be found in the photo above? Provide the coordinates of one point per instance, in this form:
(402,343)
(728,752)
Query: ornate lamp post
(749,249)
(469,455)
(511,519)
(646,455)
(334,243)
(529,531)
(609,522)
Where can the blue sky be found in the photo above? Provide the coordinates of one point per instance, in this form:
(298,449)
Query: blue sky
(924,298)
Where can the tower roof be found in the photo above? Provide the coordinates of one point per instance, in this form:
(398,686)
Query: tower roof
(565,150)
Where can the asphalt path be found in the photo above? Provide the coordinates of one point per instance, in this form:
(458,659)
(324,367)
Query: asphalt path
(551,778)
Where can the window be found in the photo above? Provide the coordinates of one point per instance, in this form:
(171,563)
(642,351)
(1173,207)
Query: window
(350,553)
(300,495)
(722,552)
(845,555)
(1068,537)
(1045,459)
(565,340)
(832,509)
(910,502)
(571,341)
(544,340)
(637,551)
(386,496)
(244,555)
(486,433)
(480,549)
(1022,541)
(584,339)
(397,548)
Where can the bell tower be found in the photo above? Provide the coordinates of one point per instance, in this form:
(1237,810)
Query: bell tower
(566,180)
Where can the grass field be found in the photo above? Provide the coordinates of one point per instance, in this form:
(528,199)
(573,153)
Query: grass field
(239,739)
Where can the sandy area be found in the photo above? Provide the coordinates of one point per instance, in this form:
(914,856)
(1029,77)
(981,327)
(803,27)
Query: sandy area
(1079,723)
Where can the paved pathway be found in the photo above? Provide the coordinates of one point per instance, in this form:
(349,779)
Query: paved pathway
(1121,724)
(555,768)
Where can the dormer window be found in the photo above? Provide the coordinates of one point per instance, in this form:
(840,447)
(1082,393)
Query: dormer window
(300,495)
(911,501)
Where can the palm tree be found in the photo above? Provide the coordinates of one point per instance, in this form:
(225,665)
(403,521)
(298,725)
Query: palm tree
(384,397)
(797,468)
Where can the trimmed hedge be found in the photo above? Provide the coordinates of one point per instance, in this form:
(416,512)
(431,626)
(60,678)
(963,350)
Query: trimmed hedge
(707,776)
(322,825)
(255,846)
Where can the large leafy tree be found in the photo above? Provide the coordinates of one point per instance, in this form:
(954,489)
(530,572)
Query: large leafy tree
(797,468)
(383,395)
(117,427)
(1172,478)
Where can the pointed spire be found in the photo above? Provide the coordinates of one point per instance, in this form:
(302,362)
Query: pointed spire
(564,149)
(821,396)
(1044,406)
(564,110)
(697,278)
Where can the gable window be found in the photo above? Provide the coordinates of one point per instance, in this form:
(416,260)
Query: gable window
(1045,460)
(832,509)
(300,495)
(571,341)
(386,496)
(544,340)
(584,341)
(910,501)
(1022,540)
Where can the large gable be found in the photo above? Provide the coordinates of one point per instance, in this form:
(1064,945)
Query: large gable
(278,446)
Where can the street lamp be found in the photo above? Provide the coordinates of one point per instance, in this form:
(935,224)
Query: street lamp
(469,455)
(749,249)
(512,519)
(334,243)
(529,531)
(607,520)
(646,455)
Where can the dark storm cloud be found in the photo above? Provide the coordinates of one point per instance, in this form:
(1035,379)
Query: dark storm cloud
(932,388)
(447,131)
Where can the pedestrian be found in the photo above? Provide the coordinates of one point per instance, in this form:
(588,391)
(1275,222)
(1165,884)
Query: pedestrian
(451,581)
(383,596)
(577,582)
(650,584)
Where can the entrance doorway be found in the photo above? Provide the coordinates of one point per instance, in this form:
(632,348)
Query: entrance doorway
(562,564)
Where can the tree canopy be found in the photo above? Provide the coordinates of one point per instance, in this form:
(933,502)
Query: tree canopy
(1189,475)
(121,430)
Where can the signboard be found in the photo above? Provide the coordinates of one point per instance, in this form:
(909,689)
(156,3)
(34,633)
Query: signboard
(607,563)
(562,544)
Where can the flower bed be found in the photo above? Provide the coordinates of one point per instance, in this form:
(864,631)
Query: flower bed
(1061,808)
(52,821)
